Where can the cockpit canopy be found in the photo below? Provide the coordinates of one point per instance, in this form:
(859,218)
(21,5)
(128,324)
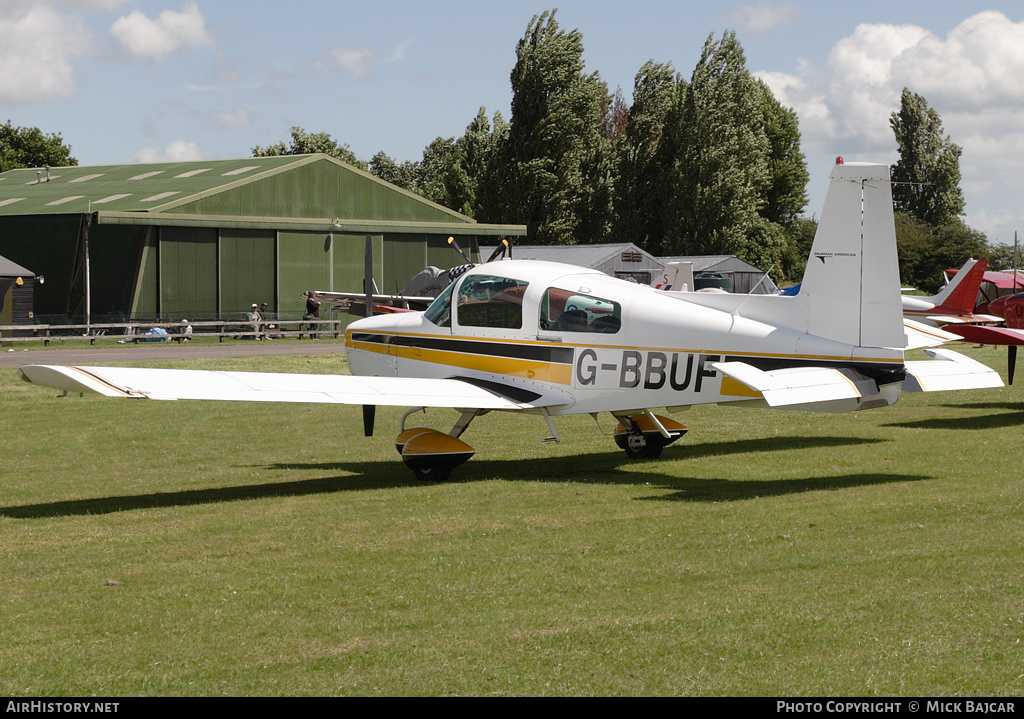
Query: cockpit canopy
(493,302)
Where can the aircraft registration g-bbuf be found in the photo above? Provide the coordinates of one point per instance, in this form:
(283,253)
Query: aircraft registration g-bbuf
(552,339)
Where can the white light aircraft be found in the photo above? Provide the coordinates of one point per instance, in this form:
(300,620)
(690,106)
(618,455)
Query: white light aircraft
(550,339)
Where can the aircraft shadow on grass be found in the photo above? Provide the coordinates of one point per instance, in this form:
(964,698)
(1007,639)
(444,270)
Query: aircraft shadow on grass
(1003,415)
(603,468)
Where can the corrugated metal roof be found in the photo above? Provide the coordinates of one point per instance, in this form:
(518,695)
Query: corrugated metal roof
(715,263)
(133,188)
(580,255)
(299,189)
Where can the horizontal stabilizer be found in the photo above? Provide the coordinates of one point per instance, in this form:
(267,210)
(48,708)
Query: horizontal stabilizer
(948,370)
(921,335)
(803,385)
(170,384)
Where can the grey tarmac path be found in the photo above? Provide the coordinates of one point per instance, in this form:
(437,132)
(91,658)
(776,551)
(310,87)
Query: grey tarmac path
(165,351)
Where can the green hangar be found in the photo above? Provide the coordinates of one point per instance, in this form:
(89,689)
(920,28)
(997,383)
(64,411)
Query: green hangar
(206,239)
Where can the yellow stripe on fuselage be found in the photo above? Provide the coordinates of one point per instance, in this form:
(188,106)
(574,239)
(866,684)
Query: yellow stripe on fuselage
(527,369)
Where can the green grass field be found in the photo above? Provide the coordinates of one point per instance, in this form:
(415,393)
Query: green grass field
(182,548)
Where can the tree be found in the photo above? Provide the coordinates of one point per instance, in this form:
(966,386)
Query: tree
(926,179)
(786,194)
(926,252)
(555,159)
(724,172)
(29,147)
(401,174)
(453,171)
(304,143)
(646,155)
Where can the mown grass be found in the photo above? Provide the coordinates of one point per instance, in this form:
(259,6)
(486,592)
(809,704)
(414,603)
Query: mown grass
(182,548)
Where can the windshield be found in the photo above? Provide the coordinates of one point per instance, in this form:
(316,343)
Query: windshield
(440,310)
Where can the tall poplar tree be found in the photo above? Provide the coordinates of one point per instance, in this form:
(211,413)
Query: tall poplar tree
(724,171)
(555,160)
(926,179)
(646,156)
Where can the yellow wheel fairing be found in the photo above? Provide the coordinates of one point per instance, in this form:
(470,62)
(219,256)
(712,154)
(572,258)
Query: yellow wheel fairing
(404,437)
(432,455)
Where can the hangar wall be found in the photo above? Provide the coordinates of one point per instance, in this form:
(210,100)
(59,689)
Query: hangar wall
(205,239)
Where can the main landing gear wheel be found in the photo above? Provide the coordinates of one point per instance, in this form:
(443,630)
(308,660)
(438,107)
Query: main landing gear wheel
(642,439)
(637,447)
(430,454)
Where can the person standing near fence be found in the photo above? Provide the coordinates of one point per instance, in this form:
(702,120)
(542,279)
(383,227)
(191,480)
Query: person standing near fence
(254,320)
(312,313)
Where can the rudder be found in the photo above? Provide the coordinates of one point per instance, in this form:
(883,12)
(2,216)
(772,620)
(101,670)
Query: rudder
(851,285)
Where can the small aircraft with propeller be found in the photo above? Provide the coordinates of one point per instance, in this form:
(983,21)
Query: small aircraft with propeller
(955,310)
(550,340)
(955,303)
(422,289)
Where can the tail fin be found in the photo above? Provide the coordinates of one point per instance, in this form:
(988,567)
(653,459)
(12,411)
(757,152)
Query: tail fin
(851,285)
(962,293)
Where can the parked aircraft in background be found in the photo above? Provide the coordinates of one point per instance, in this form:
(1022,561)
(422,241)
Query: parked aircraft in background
(427,284)
(963,308)
(955,303)
(996,284)
(550,339)
(1009,309)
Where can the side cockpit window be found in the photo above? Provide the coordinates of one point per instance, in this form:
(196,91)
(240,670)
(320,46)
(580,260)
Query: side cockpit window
(486,301)
(567,311)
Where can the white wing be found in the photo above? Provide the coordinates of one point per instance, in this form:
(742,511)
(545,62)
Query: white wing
(171,384)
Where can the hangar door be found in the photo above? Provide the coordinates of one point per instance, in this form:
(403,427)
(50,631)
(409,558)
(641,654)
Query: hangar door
(188,272)
(247,274)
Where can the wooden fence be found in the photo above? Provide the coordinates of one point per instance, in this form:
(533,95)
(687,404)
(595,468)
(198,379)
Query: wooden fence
(125,332)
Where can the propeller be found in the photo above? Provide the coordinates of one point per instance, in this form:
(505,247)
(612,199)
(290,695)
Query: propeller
(500,250)
(453,243)
(1011,362)
(368,276)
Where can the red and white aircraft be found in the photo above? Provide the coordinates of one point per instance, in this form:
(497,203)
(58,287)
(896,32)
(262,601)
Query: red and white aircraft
(956,302)
(956,310)
(550,340)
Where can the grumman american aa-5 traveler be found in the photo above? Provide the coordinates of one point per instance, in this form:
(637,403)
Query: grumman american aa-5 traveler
(551,339)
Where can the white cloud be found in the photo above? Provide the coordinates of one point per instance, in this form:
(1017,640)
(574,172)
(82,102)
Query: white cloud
(358,62)
(177,151)
(761,16)
(239,117)
(974,79)
(399,52)
(169,33)
(35,55)
(971,77)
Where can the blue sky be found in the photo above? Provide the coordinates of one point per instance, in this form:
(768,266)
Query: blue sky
(153,80)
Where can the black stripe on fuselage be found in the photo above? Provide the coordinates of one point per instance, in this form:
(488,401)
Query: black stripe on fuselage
(535,352)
